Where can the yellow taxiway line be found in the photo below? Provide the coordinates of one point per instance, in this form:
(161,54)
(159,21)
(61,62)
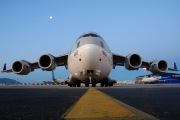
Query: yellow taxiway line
(97,105)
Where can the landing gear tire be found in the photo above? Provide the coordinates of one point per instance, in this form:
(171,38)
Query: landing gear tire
(87,83)
(78,83)
(106,85)
(93,83)
(70,85)
(102,84)
(111,84)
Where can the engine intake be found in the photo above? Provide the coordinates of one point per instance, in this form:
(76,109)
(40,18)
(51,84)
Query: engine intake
(132,62)
(21,67)
(158,66)
(47,62)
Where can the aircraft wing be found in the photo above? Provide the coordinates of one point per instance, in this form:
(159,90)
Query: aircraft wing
(120,60)
(171,69)
(60,61)
(4,69)
(10,70)
(147,65)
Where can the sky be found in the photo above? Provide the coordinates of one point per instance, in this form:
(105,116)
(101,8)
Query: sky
(150,28)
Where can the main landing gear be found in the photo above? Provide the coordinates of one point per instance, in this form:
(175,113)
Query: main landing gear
(106,84)
(87,82)
(77,84)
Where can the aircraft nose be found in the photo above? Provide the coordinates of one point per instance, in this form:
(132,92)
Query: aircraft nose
(90,57)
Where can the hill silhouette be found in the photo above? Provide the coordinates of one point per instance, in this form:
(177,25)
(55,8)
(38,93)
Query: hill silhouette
(8,81)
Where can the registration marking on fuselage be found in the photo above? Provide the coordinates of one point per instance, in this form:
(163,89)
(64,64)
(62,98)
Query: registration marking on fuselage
(97,105)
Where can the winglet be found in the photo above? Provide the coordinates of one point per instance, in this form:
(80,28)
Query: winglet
(4,68)
(175,67)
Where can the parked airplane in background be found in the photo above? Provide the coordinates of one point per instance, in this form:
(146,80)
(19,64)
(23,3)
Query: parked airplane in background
(125,82)
(89,60)
(55,80)
(151,79)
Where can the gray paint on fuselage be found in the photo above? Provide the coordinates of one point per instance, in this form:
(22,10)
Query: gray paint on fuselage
(88,40)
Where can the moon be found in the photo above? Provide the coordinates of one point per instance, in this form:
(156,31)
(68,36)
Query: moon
(50,17)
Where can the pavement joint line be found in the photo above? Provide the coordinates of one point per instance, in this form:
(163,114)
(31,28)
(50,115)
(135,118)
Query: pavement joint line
(96,105)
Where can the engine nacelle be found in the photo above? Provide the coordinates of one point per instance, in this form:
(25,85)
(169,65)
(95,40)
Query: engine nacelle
(158,66)
(47,62)
(21,67)
(132,62)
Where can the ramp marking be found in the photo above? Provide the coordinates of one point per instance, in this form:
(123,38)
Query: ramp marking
(95,104)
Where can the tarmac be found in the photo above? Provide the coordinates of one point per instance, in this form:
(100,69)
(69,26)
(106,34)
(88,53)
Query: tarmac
(124,102)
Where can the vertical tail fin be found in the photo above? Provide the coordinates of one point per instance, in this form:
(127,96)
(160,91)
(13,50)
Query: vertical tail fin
(4,68)
(175,67)
(45,82)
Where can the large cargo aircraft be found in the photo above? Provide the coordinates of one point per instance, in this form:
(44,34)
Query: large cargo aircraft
(89,61)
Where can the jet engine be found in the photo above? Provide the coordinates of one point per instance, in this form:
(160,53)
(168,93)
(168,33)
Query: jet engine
(47,62)
(132,62)
(158,66)
(21,67)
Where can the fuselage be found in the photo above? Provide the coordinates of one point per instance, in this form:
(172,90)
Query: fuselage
(90,57)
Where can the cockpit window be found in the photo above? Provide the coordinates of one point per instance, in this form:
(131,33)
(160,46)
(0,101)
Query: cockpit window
(94,35)
(90,35)
(78,44)
(86,35)
(102,44)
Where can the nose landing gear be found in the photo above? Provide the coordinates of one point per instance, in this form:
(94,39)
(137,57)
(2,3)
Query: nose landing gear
(90,79)
(93,81)
(87,82)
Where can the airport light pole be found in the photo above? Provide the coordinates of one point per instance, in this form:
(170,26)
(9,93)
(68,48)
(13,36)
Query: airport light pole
(144,71)
(17,80)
